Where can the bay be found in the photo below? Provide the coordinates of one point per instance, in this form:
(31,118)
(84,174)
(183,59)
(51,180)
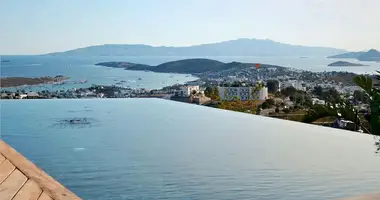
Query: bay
(83,68)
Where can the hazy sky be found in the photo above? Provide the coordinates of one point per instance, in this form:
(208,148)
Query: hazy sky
(41,26)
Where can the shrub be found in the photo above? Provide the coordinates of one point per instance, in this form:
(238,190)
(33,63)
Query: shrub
(286,110)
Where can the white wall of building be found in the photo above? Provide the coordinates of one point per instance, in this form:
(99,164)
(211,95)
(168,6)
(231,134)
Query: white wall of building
(318,101)
(263,93)
(243,93)
(186,90)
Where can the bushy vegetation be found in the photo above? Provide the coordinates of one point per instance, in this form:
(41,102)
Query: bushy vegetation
(240,106)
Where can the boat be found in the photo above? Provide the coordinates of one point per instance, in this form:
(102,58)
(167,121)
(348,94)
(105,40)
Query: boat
(81,81)
(139,79)
(4,61)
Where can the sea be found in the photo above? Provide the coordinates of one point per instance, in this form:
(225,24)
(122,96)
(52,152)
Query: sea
(161,149)
(81,69)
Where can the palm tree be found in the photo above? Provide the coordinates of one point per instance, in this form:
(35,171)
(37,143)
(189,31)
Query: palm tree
(373,93)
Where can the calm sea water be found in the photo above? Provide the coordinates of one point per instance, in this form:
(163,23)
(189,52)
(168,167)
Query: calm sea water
(83,68)
(158,149)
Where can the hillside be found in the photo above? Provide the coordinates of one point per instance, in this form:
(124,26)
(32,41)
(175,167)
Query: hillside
(239,47)
(187,66)
(371,55)
(348,55)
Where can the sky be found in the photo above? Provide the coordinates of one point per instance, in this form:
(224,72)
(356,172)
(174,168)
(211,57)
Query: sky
(44,26)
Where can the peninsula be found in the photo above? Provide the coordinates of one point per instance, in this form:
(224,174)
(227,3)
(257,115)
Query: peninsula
(211,70)
(187,66)
(19,81)
(371,55)
(345,64)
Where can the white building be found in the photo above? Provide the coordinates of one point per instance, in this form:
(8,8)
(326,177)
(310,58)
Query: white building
(32,94)
(263,93)
(23,96)
(298,85)
(317,101)
(186,91)
(243,93)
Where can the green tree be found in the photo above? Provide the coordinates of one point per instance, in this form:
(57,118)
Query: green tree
(300,99)
(270,102)
(216,94)
(289,91)
(331,95)
(265,105)
(367,85)
(318,91)
(341,110)
(273,86)
(209,91)
(361,96)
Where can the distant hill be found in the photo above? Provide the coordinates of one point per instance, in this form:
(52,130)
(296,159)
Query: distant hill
(371,55)
(348,55)
(187,66)
(239,47)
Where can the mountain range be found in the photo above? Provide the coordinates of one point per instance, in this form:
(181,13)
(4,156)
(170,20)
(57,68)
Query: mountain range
(239,47)
(371,55)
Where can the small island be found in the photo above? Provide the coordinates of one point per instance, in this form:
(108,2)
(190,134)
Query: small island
(345,64)
(19,81)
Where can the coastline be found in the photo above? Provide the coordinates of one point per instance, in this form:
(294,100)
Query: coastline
(9,82)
